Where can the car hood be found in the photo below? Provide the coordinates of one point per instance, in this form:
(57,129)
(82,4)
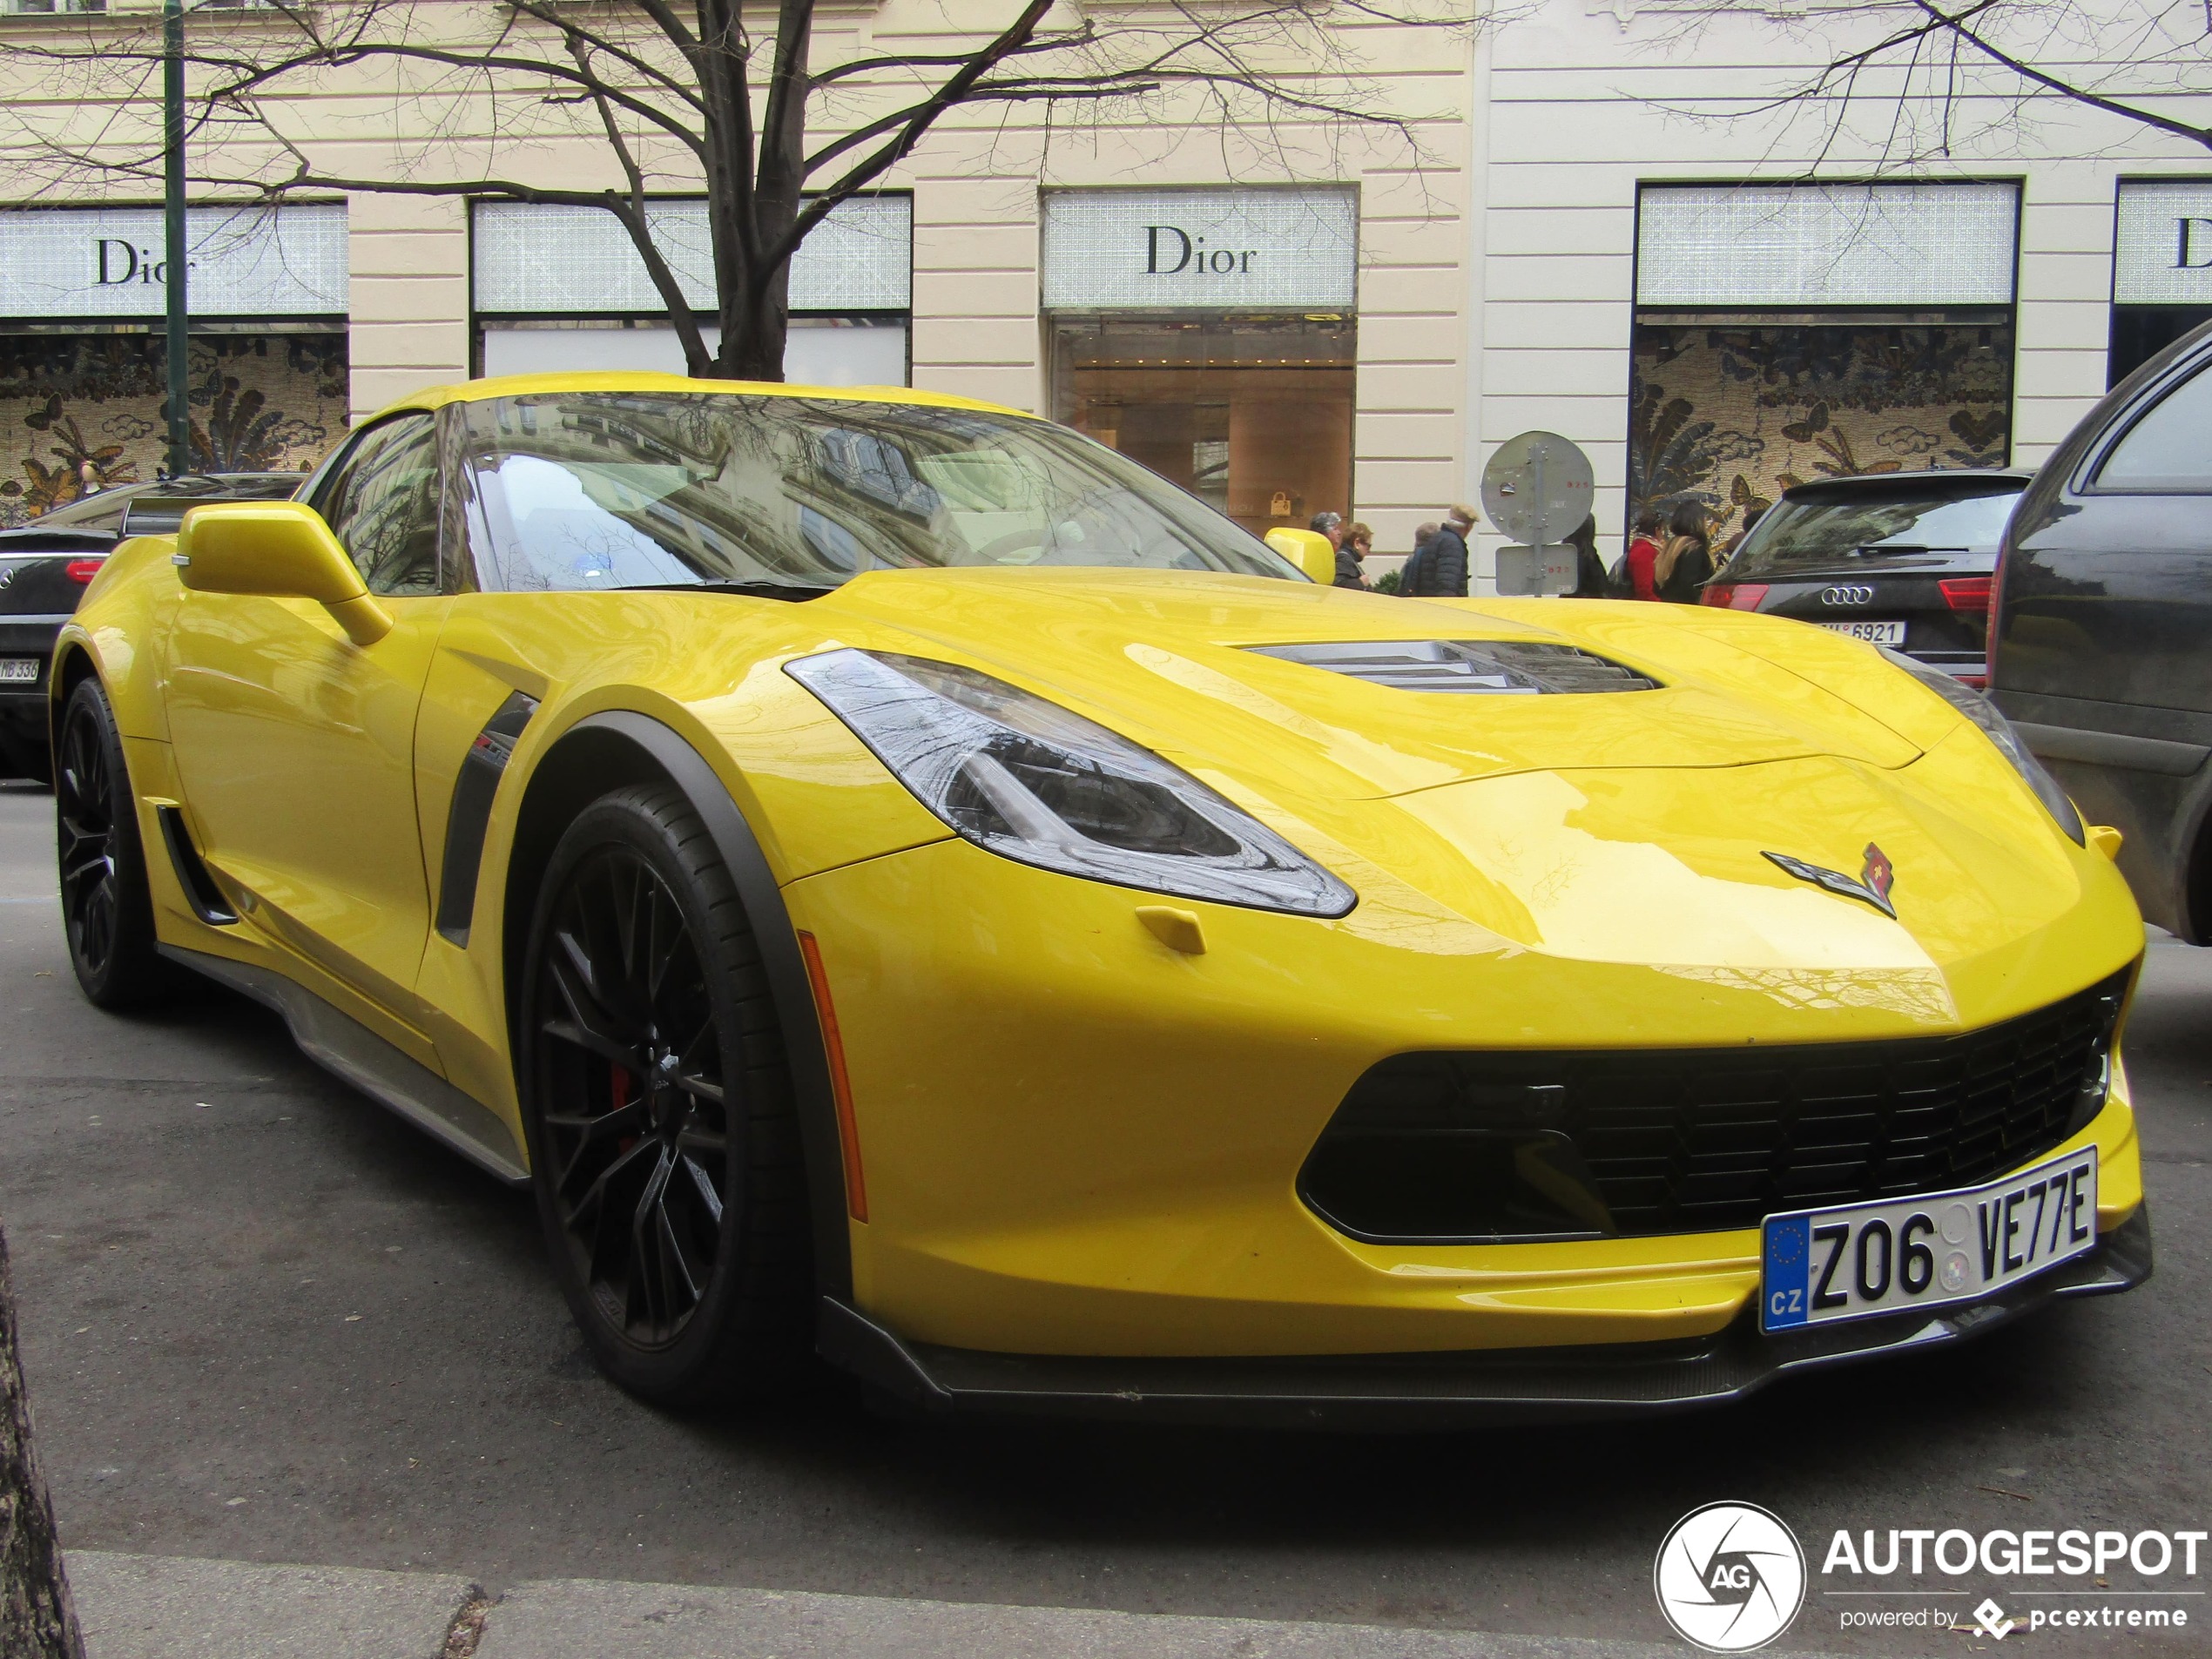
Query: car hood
(1171,661)
(1607,832)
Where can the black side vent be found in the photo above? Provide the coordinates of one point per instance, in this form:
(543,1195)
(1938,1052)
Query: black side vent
(473,791)
(197,880)
(1493,667)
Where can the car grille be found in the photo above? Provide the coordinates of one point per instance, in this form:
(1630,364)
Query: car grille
(1486,1146)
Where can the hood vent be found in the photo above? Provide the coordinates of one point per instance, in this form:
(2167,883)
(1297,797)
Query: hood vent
(1496,667)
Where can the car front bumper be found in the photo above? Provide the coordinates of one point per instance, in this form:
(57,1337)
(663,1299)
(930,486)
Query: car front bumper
(1435,1391)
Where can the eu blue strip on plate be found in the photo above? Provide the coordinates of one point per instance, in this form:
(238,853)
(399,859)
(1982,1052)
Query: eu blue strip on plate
(1786,1282)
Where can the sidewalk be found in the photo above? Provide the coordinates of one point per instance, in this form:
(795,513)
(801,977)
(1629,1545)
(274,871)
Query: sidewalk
(153,1607)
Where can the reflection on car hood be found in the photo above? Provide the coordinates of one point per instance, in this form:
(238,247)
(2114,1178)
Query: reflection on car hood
(1171,660)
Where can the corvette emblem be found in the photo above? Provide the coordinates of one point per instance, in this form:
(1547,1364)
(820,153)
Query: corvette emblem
(1873,886)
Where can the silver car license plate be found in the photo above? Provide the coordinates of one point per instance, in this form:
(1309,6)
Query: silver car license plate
(1877,633)
(1857,1260)
(18,670)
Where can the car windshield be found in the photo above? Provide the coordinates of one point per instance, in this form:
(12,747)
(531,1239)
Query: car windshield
(1807,531)
(611,489)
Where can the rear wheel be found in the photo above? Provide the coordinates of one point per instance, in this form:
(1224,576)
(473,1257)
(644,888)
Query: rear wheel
(107,909)
(664,1143)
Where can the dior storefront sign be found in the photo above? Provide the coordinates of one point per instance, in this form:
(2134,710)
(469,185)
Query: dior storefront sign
(1203,249)
(2162,243)
(109,262)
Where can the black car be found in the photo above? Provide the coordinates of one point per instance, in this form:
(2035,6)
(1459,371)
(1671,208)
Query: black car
(1903,559)
(2103,651)
(45,566)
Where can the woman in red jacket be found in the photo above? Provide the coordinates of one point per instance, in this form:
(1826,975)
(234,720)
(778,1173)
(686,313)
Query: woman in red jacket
(1643,556)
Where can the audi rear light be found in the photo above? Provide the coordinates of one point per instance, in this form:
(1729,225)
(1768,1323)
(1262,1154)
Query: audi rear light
(1737,595)
(1967,593)
(81,571)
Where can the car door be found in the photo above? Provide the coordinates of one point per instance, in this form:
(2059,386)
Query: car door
(2106,654)
(296,746)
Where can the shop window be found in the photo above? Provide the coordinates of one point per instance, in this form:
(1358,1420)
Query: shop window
(1251,413)
(2140,333)
(1730,410)
(88,408)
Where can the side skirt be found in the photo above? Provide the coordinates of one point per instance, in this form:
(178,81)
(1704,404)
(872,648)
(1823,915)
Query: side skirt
(349,1051)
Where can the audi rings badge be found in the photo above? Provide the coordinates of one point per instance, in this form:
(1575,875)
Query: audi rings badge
(1855,594)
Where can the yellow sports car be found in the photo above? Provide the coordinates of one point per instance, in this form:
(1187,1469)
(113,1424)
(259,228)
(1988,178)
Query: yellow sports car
(905,884)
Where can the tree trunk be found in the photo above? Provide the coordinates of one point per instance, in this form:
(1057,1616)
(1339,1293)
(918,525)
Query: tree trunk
(38,1620)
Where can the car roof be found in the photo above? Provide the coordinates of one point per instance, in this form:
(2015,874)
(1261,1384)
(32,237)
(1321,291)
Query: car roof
(1928,478)
(433,397)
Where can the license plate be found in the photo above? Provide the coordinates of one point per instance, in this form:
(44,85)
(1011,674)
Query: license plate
(1857,1260)
(1877,633)
(18,670)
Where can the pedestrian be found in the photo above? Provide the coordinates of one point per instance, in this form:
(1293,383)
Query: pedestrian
(1590,581)
(1685,563)
(1409,574)
(1439,570)
(1641,558)
(1359,542)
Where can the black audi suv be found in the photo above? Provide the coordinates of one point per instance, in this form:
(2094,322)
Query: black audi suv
(1902,559)
(2103,656)
(45,566)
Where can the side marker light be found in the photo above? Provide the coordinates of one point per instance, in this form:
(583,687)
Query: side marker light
(848,1133)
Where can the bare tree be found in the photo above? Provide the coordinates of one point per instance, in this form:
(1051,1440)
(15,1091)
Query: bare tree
(37,1618)
(1923,78)
(693,95)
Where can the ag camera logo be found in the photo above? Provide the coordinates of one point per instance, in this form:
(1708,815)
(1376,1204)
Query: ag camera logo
(1729,1577)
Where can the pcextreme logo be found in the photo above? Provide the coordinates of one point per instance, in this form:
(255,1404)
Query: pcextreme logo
(1729,1577)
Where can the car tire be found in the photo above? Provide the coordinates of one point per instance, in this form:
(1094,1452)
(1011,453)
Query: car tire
(107,908)
(657,1102)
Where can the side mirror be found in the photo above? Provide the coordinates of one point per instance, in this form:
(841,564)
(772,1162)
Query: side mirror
(278,550)
(1308,549)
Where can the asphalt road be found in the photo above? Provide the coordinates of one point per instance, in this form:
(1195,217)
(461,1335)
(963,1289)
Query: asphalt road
(265,1321)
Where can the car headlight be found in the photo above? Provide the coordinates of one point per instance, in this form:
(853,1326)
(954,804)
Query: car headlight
(1984,714)
(1032,781)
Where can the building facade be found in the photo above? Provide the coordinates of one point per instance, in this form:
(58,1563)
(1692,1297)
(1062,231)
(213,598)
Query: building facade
(1587,223)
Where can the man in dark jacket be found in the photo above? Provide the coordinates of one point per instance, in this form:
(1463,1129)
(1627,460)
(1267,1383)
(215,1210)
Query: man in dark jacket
(1439,570)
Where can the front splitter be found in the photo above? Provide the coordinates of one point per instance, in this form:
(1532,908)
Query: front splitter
(1434,1390)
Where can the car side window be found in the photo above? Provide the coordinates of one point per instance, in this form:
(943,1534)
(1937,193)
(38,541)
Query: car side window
(382,506)
(2169,449)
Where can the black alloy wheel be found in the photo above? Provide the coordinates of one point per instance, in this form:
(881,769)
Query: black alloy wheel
(663,1142)
(107,909)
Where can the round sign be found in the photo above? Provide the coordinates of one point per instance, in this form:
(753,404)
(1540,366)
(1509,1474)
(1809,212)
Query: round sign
(1537,489)
(1729,1577)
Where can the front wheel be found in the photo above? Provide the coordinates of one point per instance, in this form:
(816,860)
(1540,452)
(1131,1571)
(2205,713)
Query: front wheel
(664,1142)
(107,908)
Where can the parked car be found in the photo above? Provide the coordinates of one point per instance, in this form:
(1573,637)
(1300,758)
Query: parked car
(2103,652)
(908,884)
(1901,559)
(47,565)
